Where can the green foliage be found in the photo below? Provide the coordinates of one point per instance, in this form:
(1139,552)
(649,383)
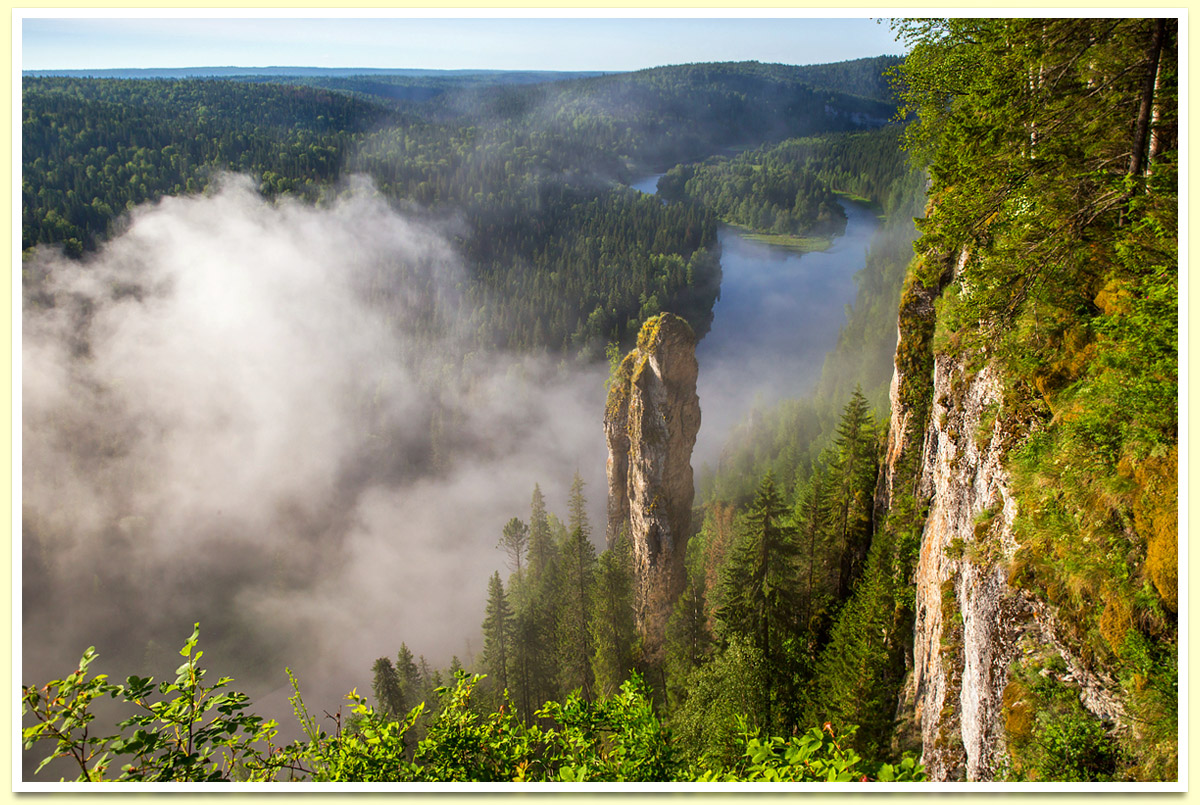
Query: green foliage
(817,755)
(514,540)
(527,168)
(372,750)
(759,591)
(688,640)
(388,689)
(1052,737)
(853,467)
(202,735)
(788,438)
(858,677)
(180,731)
(719,693)
(497,633)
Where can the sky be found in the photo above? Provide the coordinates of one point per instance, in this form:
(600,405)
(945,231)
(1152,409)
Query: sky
(576,43)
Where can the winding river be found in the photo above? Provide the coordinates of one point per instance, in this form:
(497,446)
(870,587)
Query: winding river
(778,315)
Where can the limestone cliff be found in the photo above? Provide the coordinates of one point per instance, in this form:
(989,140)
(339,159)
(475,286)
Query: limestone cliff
(948,446)
(650,424)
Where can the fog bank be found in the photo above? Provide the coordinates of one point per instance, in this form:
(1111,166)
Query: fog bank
(265,416)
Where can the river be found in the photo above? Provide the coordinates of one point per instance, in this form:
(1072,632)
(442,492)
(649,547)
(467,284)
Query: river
(778,315)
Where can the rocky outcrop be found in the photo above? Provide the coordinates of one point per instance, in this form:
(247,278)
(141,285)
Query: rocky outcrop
(947,444)
(650,424)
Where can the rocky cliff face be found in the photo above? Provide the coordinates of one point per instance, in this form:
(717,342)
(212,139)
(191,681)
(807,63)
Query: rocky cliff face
(971,626)
(650,424)
(968,620)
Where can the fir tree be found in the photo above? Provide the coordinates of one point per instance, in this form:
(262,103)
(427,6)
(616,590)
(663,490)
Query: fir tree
(575,644)
(759,587)
(688,640)
(812,543)
(409,676)
(577,519)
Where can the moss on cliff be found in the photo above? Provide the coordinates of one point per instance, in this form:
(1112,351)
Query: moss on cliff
(1069,288)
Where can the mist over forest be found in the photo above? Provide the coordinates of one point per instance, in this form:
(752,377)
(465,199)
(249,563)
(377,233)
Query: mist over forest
(262,416)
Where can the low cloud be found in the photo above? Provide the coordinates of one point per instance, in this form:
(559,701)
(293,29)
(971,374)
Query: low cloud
(264,416)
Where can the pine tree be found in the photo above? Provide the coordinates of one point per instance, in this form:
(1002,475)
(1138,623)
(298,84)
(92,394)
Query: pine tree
(513,541)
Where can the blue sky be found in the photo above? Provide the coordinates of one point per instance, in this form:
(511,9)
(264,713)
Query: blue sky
(465,43)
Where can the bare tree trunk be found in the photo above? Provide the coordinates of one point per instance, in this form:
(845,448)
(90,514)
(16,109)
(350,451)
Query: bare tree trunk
(1161,133)
(1137,164)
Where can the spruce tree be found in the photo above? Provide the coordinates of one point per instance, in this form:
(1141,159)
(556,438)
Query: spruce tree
(410,677)
(541,545)
(851,490)
(578,559)
(388,690)
(497,634)
(688,640)
(577,519)
(812,542)
(759,586)
(613,632)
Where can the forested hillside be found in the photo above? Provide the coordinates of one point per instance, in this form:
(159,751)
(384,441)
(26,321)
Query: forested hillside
(530,167)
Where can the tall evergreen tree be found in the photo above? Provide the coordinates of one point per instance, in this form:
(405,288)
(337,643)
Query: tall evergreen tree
(759,587)
(541,544)
(513,542)
(497,634)
(688,640)
(851,489)
(577,519)
(388,690)
(576,578)
(858,676)
(614,634)
(812,545)
(409,676)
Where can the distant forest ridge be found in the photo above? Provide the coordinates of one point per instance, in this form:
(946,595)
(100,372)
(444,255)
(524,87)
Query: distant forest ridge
(847,76)
(311,72)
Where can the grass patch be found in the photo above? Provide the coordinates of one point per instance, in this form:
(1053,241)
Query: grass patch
(796,243)
(871,204)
